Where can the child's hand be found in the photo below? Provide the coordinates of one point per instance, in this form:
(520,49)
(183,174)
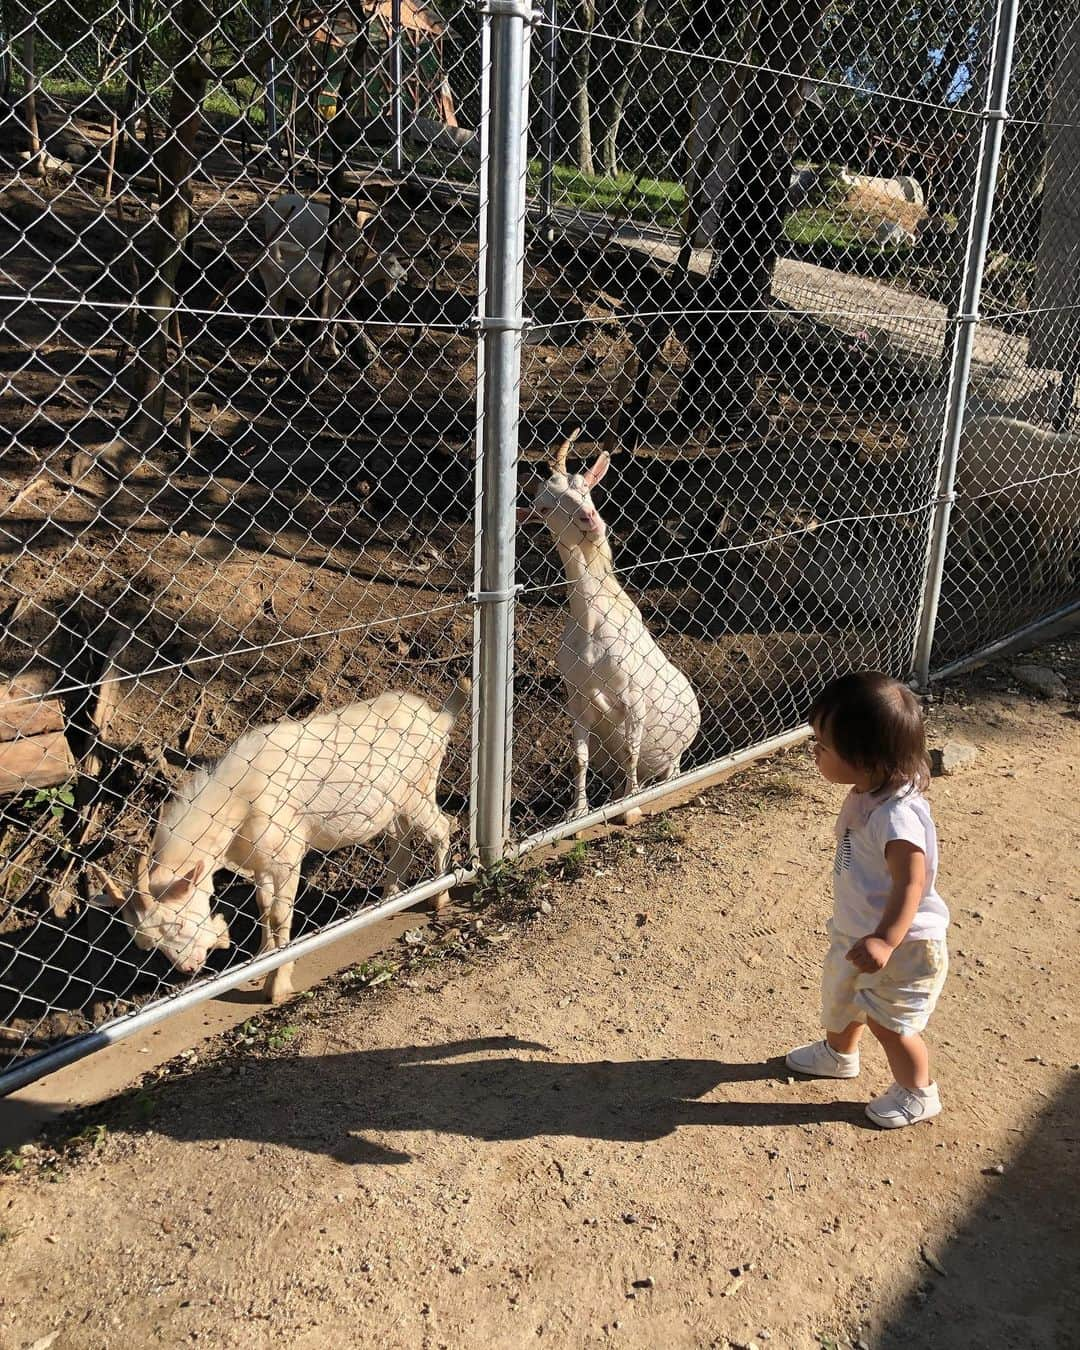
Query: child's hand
(870,954)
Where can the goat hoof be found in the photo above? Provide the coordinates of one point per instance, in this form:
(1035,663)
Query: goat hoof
(634,817)
(440,902)
(278,991)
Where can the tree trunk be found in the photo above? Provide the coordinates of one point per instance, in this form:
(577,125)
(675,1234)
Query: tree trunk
(337,186)
(724,348)
(145,423)
(582,61)
(625,59)
(27,58)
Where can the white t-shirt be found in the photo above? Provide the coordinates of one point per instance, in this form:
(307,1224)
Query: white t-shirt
(861,882)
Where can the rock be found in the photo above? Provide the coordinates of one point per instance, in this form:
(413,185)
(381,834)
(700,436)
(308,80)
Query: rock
(910,189)
(951,757)
(931,1260)
(805,187)
(646,1282)
(1039,680)
(72,148)
(996,1171)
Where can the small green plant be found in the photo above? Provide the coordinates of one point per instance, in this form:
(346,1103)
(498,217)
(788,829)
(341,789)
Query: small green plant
(144,1104)
(92,1135)
(57,799)
(369,974)
(508,888)
(780,787)
(12,1161)
(280,1037)
(660,830)
(575,860)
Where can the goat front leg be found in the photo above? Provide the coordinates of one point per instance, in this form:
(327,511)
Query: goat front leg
(275,893)
(399,861)
(633,731)
(581,715)
(427,820)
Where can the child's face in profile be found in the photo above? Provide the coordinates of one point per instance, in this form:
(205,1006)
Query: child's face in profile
(831,766)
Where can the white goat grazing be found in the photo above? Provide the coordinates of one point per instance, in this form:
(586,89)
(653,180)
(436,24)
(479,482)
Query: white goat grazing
(334,779)
(294,231)
(631,709)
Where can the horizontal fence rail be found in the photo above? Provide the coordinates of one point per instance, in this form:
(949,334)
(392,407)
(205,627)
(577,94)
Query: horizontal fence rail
(433,432)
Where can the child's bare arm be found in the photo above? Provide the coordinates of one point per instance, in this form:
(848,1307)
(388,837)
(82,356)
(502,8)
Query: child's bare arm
(907,868)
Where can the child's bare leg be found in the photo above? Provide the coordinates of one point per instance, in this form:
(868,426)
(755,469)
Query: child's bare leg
(908,1056)
(845,1042)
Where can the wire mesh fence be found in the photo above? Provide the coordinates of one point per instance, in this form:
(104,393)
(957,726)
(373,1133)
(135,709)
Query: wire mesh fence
(759,322)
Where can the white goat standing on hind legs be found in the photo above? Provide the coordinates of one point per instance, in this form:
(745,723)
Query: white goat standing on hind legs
(631,709)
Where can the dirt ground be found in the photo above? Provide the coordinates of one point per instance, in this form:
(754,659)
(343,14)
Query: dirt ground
(586,1137)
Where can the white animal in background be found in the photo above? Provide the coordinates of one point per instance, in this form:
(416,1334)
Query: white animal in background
(631,709)
(1009,474)
(334,779)
(890,234)
(924,415)
(294,231)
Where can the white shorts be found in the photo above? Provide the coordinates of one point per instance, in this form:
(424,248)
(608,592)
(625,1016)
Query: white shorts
(899,998)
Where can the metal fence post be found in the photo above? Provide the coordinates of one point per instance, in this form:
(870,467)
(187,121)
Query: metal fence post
(397,155)
(994,118)
(547,134)
(501,323)
(270,108)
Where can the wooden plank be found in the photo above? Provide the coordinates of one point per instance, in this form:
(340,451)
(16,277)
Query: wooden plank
(35,762)
(26,709)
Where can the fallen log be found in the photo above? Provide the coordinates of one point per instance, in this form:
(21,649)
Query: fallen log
(34,752)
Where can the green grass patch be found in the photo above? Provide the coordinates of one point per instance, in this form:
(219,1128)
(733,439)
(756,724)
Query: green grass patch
(817,226)
(651,199)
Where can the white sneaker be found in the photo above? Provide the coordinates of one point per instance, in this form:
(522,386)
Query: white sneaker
(902,1106)
(820,1060)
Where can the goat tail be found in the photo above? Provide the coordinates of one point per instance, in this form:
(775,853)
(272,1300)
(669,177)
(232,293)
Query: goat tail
(456,704)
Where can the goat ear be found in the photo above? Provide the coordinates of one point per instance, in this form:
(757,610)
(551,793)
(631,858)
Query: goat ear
(596,473)
(181,889)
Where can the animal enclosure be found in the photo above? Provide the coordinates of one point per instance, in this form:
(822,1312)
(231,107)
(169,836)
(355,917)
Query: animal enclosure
(279,379)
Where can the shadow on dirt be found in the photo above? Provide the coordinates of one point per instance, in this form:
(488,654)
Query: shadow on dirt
(429,1089)
(1011,1267)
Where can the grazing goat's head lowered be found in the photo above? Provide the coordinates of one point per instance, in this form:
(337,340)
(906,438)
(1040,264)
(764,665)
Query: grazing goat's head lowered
(563,501)
(171,916)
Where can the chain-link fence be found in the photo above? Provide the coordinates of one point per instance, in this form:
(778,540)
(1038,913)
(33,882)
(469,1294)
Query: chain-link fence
(303,306)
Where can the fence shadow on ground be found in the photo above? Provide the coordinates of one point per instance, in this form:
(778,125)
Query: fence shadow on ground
(430,1089)
(1012,1266)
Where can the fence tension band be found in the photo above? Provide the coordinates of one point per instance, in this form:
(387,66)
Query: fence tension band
(495,597)
(510,9)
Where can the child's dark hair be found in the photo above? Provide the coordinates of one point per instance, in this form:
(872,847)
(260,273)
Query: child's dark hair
(876,724)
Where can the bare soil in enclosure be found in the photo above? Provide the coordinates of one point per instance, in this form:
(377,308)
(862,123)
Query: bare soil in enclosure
(582,1133)
(316,546)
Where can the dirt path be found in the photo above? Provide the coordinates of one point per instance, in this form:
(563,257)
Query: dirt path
(580,1140)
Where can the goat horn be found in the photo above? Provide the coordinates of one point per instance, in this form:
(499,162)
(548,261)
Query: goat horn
(558,459)
(111,889)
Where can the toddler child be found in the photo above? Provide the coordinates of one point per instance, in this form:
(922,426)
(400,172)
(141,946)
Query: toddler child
(887,959)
